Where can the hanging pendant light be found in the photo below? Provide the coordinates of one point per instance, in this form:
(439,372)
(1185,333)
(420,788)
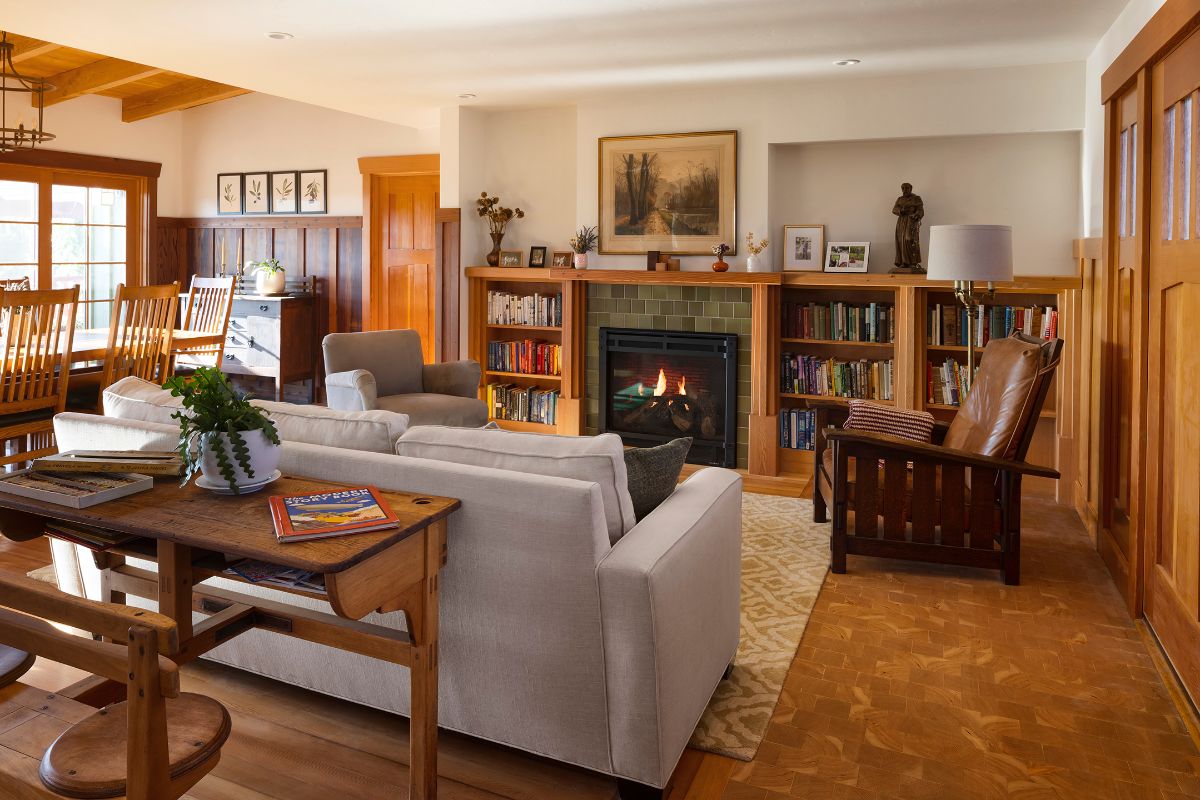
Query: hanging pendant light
(25,128)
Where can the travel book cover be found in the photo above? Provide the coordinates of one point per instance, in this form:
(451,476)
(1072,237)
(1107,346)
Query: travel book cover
(316,516)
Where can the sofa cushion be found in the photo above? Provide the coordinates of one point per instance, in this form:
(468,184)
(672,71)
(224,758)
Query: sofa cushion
(597,459)
(372,431)
(436,409)
(654,473)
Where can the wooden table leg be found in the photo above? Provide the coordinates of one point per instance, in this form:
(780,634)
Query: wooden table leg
(175,585)
(424,620)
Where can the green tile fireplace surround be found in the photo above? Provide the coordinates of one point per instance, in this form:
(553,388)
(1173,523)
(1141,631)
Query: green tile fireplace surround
(705,309)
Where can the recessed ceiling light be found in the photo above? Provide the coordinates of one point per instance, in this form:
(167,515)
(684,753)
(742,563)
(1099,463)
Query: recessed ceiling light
(466,96)
(280,35)
(847,62)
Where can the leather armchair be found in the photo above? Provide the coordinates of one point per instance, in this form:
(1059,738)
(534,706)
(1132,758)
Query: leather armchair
(956,500)
(384,370)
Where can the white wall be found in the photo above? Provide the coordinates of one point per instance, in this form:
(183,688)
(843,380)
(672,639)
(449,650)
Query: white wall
(260,133)
(92,125)
(1027,180)
(1128,23)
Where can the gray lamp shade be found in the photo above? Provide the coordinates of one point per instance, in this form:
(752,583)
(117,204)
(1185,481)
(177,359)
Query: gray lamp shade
(970,253)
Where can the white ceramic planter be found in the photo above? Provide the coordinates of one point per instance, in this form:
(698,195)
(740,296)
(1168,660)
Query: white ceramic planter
(757,264)
(267,282)
(264,458)
(581,261)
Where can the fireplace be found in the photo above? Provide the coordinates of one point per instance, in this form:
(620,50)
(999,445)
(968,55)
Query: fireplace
(656,386)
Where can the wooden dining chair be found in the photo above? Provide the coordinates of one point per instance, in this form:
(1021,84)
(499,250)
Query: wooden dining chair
(209,303)
(36,330)
(139,342)
(155,745)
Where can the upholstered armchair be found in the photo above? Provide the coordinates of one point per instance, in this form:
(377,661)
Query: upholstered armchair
(954,500)
(384,370)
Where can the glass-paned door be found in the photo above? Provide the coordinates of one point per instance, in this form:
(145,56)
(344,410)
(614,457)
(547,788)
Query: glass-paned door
(19,230)
(89,243)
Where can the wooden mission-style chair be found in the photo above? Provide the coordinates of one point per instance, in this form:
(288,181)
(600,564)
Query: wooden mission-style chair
(36,330)
(209,303)
(153,746)
(139,342)
(956,500)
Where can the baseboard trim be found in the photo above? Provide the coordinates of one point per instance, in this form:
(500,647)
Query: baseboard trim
(1178,693)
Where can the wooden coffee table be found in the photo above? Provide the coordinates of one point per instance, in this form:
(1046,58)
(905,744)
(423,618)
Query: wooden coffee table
(189,532)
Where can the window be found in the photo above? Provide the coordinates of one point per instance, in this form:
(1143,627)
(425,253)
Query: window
(62,229)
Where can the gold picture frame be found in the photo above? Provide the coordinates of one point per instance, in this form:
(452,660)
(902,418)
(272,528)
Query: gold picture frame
(679,189)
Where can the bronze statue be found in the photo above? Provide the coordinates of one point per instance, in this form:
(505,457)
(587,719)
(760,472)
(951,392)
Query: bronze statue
(908,210)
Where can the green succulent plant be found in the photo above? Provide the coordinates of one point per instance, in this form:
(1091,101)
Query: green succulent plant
(211,406)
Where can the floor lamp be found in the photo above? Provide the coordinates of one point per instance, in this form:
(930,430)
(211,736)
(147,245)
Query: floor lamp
(970,254)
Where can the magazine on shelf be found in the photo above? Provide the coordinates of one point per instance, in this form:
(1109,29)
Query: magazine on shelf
(319,515)
(75,489)
(268,574)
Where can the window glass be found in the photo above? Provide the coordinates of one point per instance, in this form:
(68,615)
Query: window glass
(18,201)
(88,242)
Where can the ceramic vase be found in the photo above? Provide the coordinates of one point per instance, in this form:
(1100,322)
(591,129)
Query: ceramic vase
(581,261)
(756,264)
(720,265)
(264,458)
(268,282)
(493,258)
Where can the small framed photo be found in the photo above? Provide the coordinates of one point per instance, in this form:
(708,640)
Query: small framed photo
(254,189)
(229,193)
(311,185)
(283,193)
(803,247)
(562,258)
(510,258)
(847,256)
(537,256)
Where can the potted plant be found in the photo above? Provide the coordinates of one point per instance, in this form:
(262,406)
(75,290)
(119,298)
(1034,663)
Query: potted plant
(719,250)
(582,243)
(269,276)
(230,442)
(498,218)
(753,262)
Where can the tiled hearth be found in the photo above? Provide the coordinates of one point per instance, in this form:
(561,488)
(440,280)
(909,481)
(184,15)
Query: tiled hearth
(713,309)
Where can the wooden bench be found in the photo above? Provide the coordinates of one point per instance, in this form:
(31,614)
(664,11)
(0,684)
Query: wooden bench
(154,746)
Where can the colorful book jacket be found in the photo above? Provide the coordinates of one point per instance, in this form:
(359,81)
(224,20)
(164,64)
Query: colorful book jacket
(323,514)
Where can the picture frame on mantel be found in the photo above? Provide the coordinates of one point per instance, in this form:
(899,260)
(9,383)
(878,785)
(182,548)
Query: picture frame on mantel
(847,257)
(312,185)
(803,248)
(229,193)
(672,192)
(256,193)
(284,197)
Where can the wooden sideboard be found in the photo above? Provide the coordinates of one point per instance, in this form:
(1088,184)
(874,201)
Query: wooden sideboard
(272,337)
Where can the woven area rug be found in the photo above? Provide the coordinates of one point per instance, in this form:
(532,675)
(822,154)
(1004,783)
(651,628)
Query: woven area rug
(785,557)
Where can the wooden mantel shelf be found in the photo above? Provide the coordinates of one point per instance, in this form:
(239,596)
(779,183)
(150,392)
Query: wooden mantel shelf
(1041,283)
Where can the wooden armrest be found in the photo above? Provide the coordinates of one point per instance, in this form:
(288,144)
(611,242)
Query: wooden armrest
(938,434)
(913,451)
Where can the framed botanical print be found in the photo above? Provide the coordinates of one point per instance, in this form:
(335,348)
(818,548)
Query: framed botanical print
(312,191)
(254,189)
(847,256)
(229,193)
(673,192)
(283,193)
(803,248)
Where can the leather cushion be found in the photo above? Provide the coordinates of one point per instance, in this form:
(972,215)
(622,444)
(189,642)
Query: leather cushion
(1001,400)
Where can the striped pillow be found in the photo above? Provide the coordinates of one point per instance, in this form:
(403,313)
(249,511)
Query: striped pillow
(905,423)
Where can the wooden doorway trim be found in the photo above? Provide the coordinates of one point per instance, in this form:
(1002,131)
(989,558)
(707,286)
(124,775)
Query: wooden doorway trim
(373,168)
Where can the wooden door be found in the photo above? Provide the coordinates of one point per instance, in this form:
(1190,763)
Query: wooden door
(1172,546)
(404,249)
(1122,358)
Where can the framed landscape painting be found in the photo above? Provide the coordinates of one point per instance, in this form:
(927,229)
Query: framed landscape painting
(803,247)
(673,192)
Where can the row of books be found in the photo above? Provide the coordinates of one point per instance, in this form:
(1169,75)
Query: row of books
(506,308)
(529,357)
(839,322)
(803,374)
(948,323)
(945,382)
(797,427)
(522,403)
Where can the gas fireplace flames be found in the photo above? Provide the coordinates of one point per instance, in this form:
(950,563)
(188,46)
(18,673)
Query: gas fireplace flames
(660,388)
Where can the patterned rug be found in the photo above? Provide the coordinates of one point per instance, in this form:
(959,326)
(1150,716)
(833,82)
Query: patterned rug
(785,557)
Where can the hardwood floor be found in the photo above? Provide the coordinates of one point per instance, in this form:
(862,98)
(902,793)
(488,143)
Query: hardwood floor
(912,681)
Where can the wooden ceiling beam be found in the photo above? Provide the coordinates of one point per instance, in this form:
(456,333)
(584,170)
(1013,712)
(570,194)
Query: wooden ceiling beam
(99,76)
(26,49)
(185,94)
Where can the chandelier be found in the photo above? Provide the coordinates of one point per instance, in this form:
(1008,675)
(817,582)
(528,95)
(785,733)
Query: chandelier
(22,131)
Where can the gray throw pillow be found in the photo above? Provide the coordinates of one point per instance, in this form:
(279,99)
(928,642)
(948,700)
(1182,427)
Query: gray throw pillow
(654,472)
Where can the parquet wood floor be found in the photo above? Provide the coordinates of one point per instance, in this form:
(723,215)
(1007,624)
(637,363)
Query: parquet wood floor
(912,681)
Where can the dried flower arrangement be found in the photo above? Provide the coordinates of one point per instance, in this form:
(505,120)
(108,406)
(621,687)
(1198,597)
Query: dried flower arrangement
(498,217)
(755,249)
(584,240)
(719,250)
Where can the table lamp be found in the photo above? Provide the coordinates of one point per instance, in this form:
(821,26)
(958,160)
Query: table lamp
(970,254)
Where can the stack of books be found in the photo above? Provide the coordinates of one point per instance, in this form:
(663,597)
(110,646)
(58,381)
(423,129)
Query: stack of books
(839,322)
(506,308)
(796,428)
(945,382)
(948,323)
(831,377)
(528,357)
(522,403)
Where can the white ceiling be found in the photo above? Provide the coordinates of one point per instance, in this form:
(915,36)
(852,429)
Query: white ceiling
(396,60)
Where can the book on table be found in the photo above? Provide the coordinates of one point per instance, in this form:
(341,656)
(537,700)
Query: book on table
(319,515)
(75,489)
(143,462)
